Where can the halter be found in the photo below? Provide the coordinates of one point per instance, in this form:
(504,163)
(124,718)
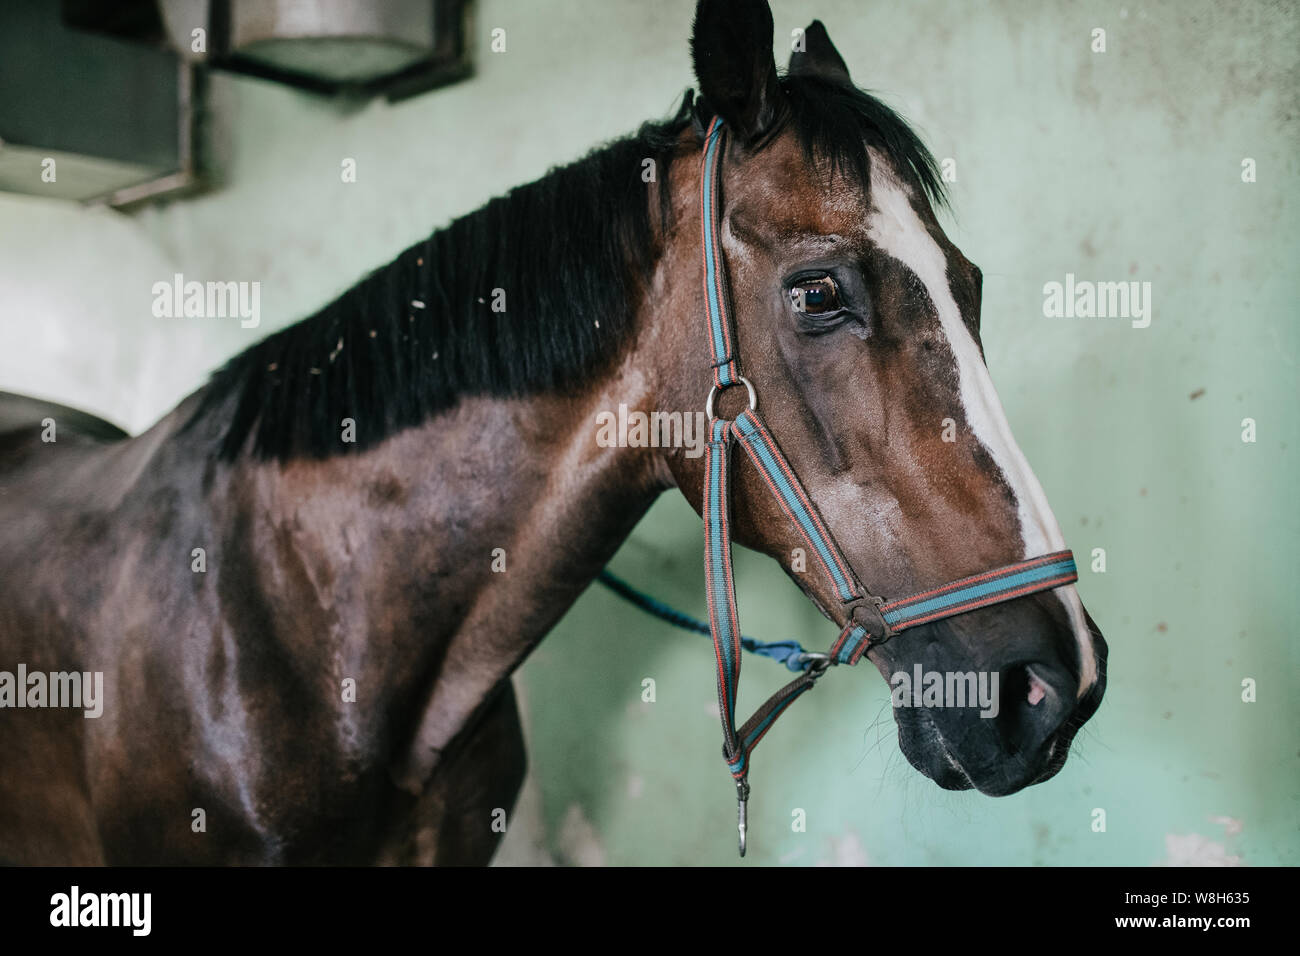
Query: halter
(871,620)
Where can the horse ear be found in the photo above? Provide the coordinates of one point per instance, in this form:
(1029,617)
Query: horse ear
(819,56)
(731,44)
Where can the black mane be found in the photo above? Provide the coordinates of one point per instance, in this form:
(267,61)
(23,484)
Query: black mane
(571,253)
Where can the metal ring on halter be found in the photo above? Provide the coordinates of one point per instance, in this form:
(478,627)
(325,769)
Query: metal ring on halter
(753,396)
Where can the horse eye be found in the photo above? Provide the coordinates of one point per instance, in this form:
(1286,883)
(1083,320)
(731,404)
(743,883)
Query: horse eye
(816,295)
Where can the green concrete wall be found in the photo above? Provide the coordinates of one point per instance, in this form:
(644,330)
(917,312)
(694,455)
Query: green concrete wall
(1113,166)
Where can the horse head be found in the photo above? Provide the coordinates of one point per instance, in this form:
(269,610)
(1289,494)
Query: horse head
(858,324)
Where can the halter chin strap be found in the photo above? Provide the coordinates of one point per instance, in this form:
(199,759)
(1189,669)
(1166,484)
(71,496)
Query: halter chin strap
(870,620)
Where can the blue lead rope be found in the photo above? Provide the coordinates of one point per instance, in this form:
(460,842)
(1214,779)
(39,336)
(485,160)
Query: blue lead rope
(789,653)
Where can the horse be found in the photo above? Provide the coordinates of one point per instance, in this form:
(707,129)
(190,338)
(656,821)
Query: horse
(307,586)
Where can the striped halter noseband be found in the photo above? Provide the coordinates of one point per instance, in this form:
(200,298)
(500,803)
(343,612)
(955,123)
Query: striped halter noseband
(870,619)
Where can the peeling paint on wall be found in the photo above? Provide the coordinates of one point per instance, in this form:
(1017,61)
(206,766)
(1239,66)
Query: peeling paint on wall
(1194,849)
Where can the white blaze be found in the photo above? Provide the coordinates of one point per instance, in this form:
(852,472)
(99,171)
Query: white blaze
(895,228)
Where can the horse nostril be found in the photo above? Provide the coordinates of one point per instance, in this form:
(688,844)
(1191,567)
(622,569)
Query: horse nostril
(1037,689)
(1031,711)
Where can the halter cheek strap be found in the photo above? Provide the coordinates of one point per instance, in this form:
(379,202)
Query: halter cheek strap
(870,620)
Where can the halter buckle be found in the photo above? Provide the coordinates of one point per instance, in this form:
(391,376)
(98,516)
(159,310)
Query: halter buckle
(740,380)
(873,620)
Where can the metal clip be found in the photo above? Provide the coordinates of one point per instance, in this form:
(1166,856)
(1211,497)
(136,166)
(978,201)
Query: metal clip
(818,663)
(742,817)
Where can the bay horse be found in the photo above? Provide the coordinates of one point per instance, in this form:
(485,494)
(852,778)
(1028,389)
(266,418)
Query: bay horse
(308,585)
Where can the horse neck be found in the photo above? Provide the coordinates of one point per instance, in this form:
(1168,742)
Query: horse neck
(436,557)
(436,560)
